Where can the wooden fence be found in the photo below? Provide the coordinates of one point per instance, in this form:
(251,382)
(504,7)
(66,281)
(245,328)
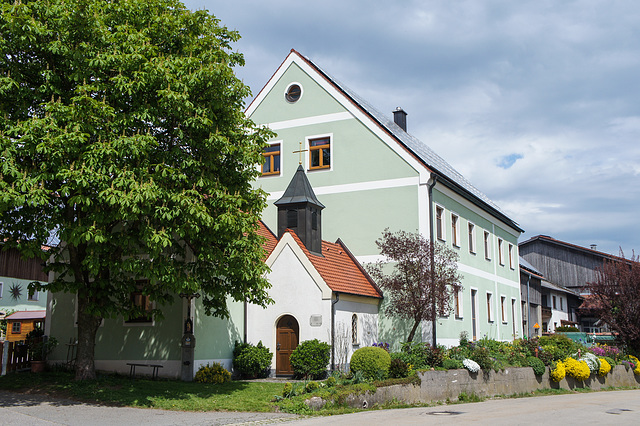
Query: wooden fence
(14,356)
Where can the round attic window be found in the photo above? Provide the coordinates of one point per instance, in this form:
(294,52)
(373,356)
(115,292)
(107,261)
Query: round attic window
(294,91)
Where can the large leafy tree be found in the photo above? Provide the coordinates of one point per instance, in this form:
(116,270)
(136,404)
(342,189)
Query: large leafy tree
(122,132)
(419,277)
(615,298)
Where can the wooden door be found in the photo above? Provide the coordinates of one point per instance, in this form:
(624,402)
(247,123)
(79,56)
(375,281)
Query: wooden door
(287,337)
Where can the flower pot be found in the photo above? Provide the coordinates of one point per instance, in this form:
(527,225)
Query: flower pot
(37,366)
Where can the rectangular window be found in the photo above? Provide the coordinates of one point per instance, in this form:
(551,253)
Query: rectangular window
(553,298)
(1,289)
(141,301)
(472,238)
(320,153)
(457,304)
(455,230)
(500,256)
(503,315)
(561,308)
(271,165)
(16,327)
(487,246)
(33,296)
(489,307)
(511,256)
(439,223)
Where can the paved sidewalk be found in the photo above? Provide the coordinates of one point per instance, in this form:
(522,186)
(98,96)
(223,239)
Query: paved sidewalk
(26,410)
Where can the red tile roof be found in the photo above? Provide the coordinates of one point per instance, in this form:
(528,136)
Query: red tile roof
(340,270)
(337,266)
(26,315)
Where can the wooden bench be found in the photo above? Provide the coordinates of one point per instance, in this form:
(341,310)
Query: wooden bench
(133,365)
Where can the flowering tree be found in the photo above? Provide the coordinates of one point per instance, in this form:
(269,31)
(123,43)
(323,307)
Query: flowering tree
(615,298)
(423,278)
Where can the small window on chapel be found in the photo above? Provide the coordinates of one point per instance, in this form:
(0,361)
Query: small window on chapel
(142,303)
(354,329)
(271,165)
(320,153)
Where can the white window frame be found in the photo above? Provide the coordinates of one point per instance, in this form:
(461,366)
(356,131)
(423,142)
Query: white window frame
(486,240)
(471,235)
(514,315)
(490,313)
(455,229)
(355,340)
(1,289)
(307,156)
(33,297)
(503,314)
(511,258)
(457,308)
(500,252)
(440,228)
(561,307)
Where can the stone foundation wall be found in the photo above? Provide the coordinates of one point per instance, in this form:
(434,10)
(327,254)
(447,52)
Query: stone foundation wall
(443,385)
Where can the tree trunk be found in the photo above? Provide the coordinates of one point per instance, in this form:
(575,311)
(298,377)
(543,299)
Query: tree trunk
(413,331)
(87,329)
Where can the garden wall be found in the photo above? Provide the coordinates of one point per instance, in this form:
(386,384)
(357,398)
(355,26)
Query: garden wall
(443,385)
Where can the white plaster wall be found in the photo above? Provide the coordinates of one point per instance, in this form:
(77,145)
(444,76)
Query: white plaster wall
(557,314)
(367,325)
(295,293)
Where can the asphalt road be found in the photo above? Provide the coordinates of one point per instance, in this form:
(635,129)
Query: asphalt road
(601,408)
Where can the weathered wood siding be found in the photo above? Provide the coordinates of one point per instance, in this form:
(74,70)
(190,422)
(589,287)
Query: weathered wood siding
(15,266)
(561,265)
(535,288)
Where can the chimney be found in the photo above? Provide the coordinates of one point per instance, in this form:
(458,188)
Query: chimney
(593,246)
(400,118)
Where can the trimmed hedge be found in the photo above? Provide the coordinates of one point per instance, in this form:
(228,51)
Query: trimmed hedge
(310,359)
(372,362)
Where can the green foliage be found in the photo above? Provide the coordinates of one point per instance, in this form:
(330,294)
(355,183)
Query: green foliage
(610,361)
(537,365)
(372,362)
(122,129)
(560,341)
(472,397)
(252,361)
(398,368)
(39,345)
(330,382)
(483,358)
(452,364)
(311,386)
(310,359)
(421,355)
(214,373)
(566,328)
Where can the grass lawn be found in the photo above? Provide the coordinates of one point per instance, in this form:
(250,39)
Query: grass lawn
(164,394)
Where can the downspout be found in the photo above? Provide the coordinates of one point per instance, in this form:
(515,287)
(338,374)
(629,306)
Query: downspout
(528,310)
(333,323)
(434,178)
(245,322)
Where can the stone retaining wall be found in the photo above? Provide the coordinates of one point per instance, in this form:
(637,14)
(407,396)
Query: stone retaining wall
(443,385)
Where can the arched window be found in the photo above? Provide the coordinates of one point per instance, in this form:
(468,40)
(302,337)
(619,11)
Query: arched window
(354,329)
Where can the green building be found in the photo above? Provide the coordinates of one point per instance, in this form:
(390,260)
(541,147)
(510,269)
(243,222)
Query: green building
(372,174)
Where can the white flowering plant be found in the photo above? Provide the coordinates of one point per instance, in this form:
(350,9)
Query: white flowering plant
(592,361)
(471,365)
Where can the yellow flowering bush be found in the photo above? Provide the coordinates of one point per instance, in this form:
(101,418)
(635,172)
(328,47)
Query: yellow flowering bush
(215,373)
(605,367)
(636,362)
(579,370)
(558,371)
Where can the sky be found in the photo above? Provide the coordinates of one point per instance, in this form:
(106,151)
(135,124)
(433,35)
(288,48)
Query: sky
(537,103)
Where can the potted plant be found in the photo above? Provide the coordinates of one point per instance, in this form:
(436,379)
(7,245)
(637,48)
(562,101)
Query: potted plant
(39,347)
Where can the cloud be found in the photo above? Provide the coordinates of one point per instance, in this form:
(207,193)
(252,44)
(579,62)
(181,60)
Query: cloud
(536,103)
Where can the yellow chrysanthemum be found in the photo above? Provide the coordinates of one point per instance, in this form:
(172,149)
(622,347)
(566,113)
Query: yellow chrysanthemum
(605,367)
(558,372)
(579,370)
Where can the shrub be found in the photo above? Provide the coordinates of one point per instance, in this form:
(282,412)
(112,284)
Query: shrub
(537,365)
(452,364)
(557,371)
(592,361)
(611,361)
(605,367)
(252,361)
(566,328)
(398,369)
(483,358)
(330,382)
(565,345)
(579,370)
(311,386)
(310,359)
(214,373)
(287,390)
(636,363)
(370,361)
